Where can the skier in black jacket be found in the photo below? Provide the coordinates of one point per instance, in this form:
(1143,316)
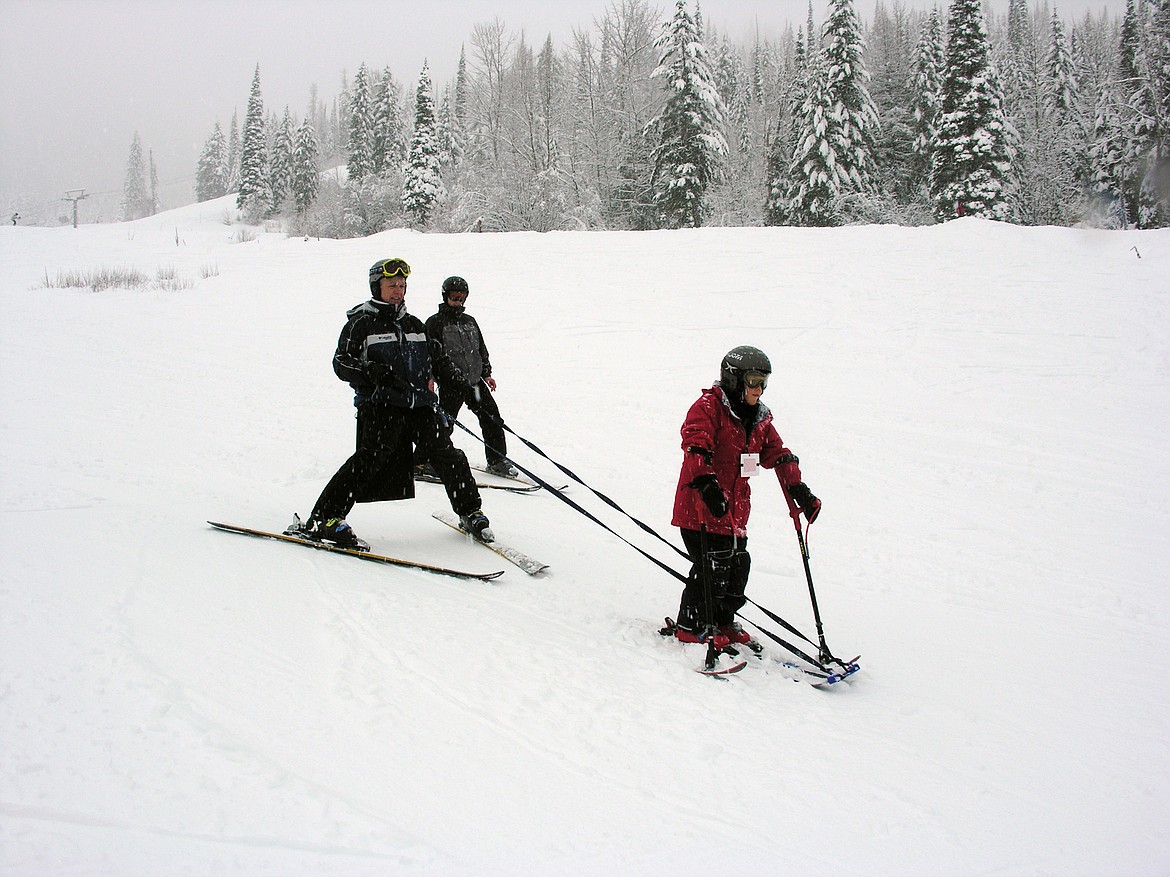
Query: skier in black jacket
(384,354)
(458,335)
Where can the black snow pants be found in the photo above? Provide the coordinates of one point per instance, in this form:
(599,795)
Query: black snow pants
(728,564)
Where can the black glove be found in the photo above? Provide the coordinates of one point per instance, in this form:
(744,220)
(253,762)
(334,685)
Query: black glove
(379,373)
(809,504)
(712,495)
(474,405)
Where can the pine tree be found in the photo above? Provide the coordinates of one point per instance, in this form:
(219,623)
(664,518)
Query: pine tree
(281,167)
(895,167)
(1159,53)
(135,197)
(422,187)
(834,147)
(253,152)
(927,91)
(1149,106)
(388,150)
(306,176)
(1108,161)
(211,173)
(155,190)
(361,127)
(456,113)
(781,153)
(972,158)
(813,182)
(691,143)
(1062,80)
(1128,75)
(233,154)
(450,153)
(843,49)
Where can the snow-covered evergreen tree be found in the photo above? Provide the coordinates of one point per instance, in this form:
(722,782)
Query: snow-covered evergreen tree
(813,184)
(306,176)
(211,172)
(782,149)
(1149,118)
(843,50)
(691,142)
(972,157)
(233,154)
(1108,160)
(361,127)
(833,153)
(155,190)
(388,150)
(890,59)
(422,185)
(1129,76)
(1062,80)
(281,167)
(450,151)
(253,193)
(136,202)
(926,99)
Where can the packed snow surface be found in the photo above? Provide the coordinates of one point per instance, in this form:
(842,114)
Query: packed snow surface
(982,408)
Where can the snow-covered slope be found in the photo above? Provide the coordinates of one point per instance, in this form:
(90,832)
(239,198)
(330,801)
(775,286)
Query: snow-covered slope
(982,409)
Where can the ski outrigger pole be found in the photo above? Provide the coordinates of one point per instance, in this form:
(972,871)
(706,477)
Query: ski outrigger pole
(825,656)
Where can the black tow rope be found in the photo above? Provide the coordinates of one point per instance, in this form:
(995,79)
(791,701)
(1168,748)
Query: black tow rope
(560,494)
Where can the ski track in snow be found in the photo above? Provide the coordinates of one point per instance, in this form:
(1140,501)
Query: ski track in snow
(981,408)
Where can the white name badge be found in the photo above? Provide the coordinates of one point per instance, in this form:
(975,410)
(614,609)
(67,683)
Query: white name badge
(749,465)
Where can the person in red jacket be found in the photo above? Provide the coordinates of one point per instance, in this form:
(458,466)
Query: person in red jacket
(727,437)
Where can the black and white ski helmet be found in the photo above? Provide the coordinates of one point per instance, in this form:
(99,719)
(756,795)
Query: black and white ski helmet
(455,284)
(737,362)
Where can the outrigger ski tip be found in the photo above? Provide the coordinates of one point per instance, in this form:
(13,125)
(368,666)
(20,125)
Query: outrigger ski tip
(816,674)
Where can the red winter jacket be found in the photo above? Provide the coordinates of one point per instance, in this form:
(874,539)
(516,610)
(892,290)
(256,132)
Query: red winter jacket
(712,426)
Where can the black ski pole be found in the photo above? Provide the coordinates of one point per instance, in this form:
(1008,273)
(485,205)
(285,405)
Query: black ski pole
(794,513)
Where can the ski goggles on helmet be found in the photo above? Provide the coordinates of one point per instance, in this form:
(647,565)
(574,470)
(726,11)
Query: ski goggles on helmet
(754,379)
(391,268)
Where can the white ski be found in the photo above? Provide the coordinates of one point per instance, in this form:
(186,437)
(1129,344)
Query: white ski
(522,560)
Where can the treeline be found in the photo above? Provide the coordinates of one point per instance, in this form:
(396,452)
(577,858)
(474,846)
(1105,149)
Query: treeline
(639,123)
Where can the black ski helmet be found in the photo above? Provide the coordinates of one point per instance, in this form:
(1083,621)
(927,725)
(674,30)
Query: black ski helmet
(455,284)
(737,362)
(387,268)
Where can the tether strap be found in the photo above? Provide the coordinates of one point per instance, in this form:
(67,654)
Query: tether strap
(577,507)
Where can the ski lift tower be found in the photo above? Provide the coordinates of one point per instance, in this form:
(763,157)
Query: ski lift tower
(75,195)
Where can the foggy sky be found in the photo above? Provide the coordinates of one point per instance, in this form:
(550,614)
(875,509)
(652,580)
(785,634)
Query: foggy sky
(79,77)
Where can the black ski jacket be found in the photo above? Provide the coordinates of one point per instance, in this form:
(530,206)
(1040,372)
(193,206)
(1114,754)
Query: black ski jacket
(378,332)
(458,335)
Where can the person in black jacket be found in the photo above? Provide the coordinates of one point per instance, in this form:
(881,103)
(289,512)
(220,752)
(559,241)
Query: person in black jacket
(384,354)
(458,334)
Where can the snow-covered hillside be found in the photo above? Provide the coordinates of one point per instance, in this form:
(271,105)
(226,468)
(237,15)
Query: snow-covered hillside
(982,408)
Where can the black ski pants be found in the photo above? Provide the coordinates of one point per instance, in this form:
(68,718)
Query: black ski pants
(728,565)
(453,397)
(384,432)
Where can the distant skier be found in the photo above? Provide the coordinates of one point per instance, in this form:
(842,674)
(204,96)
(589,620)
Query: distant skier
(383,353)
(727,437)
(459,336)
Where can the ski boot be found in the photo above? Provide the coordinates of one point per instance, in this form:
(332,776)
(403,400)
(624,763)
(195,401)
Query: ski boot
(477,524)
(335,531)
(502,468)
